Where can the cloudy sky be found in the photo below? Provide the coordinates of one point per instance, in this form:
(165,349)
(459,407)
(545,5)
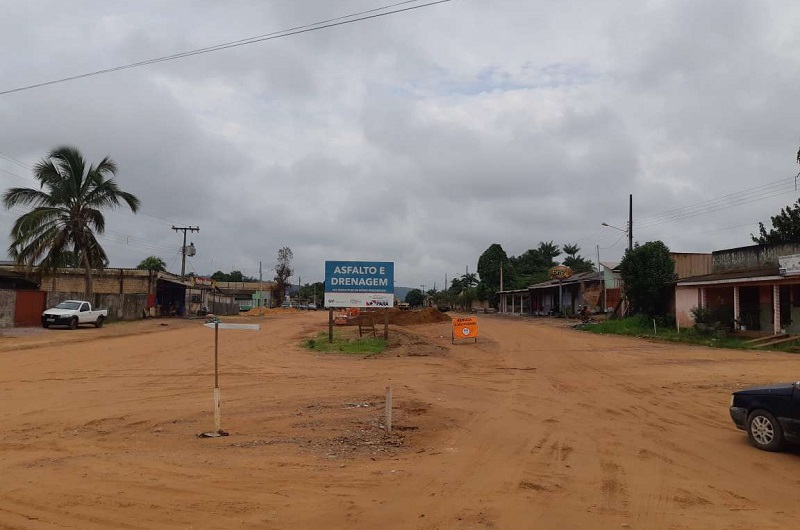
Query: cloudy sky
(420,137)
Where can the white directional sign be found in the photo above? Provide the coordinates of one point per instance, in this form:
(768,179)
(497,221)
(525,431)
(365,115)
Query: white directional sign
(225,325)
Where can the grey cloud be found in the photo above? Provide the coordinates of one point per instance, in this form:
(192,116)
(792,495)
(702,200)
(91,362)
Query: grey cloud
(420,138)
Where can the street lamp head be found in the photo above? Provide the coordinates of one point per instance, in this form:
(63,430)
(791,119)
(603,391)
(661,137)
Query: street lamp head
(615,227)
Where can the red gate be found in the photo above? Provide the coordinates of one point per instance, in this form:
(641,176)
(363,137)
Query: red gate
(29,308)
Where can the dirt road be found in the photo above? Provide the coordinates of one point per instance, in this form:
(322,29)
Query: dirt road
(535,426)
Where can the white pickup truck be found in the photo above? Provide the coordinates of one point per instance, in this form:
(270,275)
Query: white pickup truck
(73,312)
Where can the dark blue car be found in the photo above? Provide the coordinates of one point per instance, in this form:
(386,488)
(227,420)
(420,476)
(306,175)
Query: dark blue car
(769,414)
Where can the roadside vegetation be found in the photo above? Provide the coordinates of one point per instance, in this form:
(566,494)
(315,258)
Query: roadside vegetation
(358,346)
(642,326)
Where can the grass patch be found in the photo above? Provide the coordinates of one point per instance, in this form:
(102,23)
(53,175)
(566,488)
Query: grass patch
(358,345)
(640,326)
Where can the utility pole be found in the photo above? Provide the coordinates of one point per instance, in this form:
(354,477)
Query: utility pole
(184,229)
(260,286)
(502,303)
(630,222)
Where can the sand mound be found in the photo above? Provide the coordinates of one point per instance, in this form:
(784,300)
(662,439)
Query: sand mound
(399,317)
(261,311)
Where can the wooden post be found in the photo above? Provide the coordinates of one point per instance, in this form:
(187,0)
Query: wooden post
(388,409)
(330,325)
(217,415)
(386,324)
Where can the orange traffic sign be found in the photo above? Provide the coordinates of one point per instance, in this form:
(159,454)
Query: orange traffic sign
(465,328)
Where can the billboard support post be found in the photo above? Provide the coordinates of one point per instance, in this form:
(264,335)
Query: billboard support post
(330,325)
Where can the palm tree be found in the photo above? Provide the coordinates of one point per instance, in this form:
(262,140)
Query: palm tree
(66,212)
(469,279)
(571,250)
(152,263)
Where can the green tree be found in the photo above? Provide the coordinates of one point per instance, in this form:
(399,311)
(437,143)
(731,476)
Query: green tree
(152,263)
(415,298)
(489,264)
(575,261)
(469,279)
(66,214)
(532,265)
(313,291)
(233,276)
(785,227)
(647,272)
(283,271)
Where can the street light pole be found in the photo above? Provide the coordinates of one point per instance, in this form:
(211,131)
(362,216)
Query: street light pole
(630,222)
(624,231)
(629,229)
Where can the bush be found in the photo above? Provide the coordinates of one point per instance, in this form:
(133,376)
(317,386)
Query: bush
(708,321)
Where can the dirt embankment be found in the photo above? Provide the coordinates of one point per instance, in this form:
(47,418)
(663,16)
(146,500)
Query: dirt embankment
(399,317)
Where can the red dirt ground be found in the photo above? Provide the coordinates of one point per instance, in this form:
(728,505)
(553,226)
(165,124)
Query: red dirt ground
(535,426)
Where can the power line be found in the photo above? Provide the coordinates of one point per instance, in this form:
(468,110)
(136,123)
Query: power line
(339,21)
(14,160)
(727,201)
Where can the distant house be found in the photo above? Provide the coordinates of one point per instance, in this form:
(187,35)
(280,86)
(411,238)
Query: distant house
(545,298)
(249,294)
(601,291)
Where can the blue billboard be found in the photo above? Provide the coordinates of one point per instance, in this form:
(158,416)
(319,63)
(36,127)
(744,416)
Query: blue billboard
(359,284)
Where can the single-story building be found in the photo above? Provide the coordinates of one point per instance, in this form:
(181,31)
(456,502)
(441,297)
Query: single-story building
(601,291)
(249,294)
(128,294)
(755,288)
(583,288)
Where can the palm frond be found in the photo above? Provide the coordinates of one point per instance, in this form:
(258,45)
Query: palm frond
(25,196)
(96,219)
(29,224)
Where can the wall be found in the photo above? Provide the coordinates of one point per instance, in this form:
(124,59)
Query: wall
(120,306)
(593,296)
(8,299)
(685,299)
(751,257)
(691,264)
(109,281)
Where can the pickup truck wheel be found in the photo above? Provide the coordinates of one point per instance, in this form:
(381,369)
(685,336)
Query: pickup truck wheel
(73,323)
(99,322)
(764,431)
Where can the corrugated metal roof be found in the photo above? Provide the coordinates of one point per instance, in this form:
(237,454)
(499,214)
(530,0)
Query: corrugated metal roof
(576,278)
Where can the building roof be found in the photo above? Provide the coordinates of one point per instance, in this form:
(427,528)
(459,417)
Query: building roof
(513,291)
(591,276)
(610,264)
(765,272)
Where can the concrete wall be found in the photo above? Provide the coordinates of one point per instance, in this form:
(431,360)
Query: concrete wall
(8,300)
(751,257)
(120,306)
(109,281)
(686,298)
